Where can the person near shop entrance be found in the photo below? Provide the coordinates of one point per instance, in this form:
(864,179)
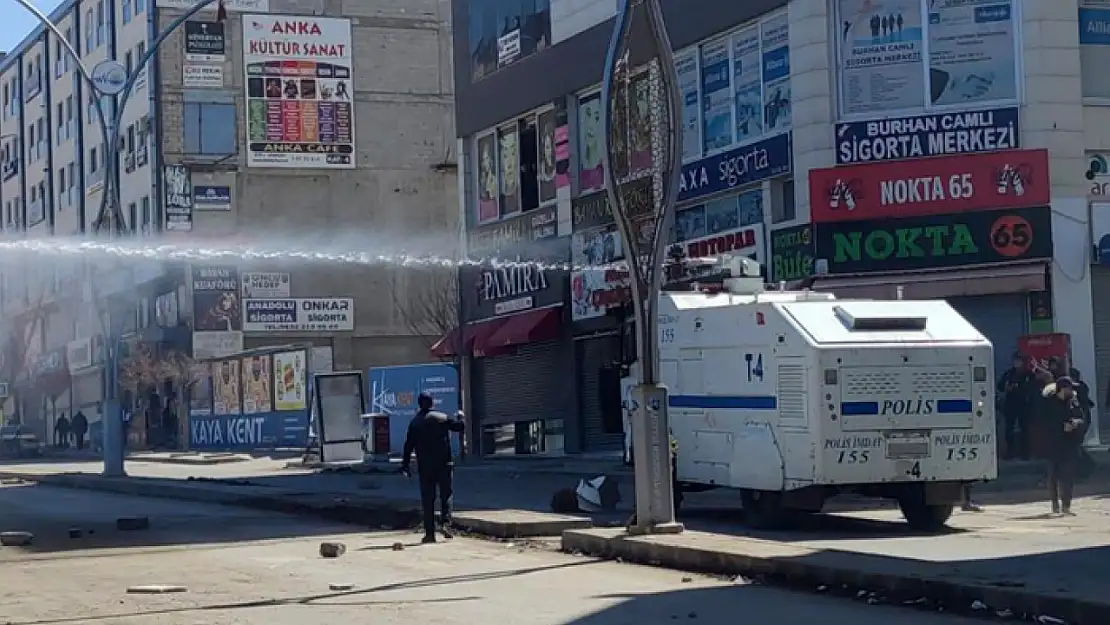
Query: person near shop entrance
(1015,388)
(1064,432)
(80,427)
(61,432)
(429,435)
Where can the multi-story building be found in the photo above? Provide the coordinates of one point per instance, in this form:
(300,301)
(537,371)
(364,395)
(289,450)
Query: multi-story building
(268,123)
(860,146)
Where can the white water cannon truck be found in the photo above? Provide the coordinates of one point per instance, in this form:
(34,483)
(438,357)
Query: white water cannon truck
(793,397)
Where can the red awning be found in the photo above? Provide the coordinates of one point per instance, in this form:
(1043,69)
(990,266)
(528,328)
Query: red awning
(470,338)
(527,327)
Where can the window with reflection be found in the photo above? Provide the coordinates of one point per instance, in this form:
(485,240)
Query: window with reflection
(505,31)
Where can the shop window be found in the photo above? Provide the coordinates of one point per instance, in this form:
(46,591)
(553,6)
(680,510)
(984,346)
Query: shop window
(505,31)
(516,169)
(782,204)
(523,438)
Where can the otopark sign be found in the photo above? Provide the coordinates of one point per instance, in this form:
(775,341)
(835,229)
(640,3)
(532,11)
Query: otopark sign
(936,241)
(930,186)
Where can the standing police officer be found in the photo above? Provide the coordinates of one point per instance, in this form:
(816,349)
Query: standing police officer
(429,435)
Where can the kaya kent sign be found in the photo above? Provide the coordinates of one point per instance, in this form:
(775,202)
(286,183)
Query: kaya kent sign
(935,241)
(930,186)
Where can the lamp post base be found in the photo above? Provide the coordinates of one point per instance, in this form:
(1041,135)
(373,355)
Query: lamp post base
(652,448)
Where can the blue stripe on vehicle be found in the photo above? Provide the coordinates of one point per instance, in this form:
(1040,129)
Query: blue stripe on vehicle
(950,406)
(735,402)
(857,408)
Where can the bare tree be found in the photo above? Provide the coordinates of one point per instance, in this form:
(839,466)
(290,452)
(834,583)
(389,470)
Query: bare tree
(144,369)
(18,348)
(429,305)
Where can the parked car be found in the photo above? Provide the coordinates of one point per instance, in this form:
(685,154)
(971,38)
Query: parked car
(18,441)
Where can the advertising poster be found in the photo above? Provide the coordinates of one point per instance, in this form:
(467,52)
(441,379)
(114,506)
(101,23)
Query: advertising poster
(300,100)
(777,99)
(225,388)
(932,186)
(393,391)
(972,57)
(547,157)
(716,95)
(639,123)
(258,284)
(488,186)
(935,241)
(687,67)
(216,305)
(202,76)
(747,84)
(290,380)
(1094,47)
(178,191)
(300,314)
(600,285)
(880,56)
(200,393)
(204,42)
(248,432)
(591,174)
(562,145)
(211,198)
(508,159)
(257,383)
(917,136)
(792,254)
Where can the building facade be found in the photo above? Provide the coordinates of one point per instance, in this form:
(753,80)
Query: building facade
(318,128)
(856,146)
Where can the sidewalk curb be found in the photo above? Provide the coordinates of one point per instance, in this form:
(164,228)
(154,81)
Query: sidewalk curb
(802,572)
(380,512)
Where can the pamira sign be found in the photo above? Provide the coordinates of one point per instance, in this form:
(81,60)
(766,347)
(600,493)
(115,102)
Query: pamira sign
(300,314)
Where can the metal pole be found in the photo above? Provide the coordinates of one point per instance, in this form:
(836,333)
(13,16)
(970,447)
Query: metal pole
(650,431)
(111,213)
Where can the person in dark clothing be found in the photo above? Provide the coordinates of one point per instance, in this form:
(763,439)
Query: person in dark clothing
(429,435)
(1064,431)
(1014,399)
(80,427)
(61,432)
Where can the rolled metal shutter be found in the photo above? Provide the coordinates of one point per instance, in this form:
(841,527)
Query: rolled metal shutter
(593,355)
(525,386)
(1100,286)
(1003,319)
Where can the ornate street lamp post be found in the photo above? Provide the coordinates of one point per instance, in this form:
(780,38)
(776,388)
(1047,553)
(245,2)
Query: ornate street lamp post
(110,214)
(645,238)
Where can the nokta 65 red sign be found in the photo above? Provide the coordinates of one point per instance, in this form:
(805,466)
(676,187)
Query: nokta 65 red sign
(930,186)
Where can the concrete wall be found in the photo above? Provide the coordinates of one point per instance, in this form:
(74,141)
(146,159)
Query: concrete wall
(403,189)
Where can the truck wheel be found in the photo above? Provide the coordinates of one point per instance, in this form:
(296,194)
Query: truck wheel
(763,510)
(923,517)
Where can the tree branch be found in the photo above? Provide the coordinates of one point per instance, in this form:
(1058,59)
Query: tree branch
(430,307)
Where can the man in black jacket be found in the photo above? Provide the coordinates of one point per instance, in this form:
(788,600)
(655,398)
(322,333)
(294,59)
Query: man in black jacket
(1064,431)
(429,435)
(1014,388)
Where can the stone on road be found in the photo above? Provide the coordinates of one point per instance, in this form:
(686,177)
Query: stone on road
(257,568)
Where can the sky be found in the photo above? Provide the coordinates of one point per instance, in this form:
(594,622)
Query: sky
(18,23)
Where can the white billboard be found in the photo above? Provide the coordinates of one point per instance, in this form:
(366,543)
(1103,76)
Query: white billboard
(265,284)
(299,314)
(300,100)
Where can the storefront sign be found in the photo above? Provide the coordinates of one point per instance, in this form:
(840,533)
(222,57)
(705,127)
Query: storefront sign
(930,186)
(742,166)
(204,42)
(918,136)
(302,314)
(538,225)
(593,210)
(265,284)
(79,354)
(202,76)
(242,433)
(545,223)
(512,281)
(740,242)
(216,299)
(51,362)
(178,198)
(935,241)
(294,123)
(210,198)
(792,253)
(594,291)
(502,290)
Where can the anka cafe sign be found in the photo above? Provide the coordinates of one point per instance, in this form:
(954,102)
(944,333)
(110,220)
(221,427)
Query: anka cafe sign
(930,186)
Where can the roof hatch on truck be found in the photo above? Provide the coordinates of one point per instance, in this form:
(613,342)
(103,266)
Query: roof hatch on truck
(871,318)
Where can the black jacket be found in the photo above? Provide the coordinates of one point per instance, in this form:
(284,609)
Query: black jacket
(1058,441)
(80,423)
(1016,391)
(429,436)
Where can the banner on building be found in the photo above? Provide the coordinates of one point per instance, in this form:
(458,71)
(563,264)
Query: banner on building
(204,42)
(1094,47)
(882,66)
(300,96)
(257,384)
(966,132)
(225,388)
(178,200)
(290,380)
(202,76)
(211,198)
(269,284)
(216,305)
(301,314)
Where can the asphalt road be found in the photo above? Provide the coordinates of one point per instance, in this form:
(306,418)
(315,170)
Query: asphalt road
(253,568)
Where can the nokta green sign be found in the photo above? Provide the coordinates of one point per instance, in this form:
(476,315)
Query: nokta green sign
(936,241)
(792,253)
